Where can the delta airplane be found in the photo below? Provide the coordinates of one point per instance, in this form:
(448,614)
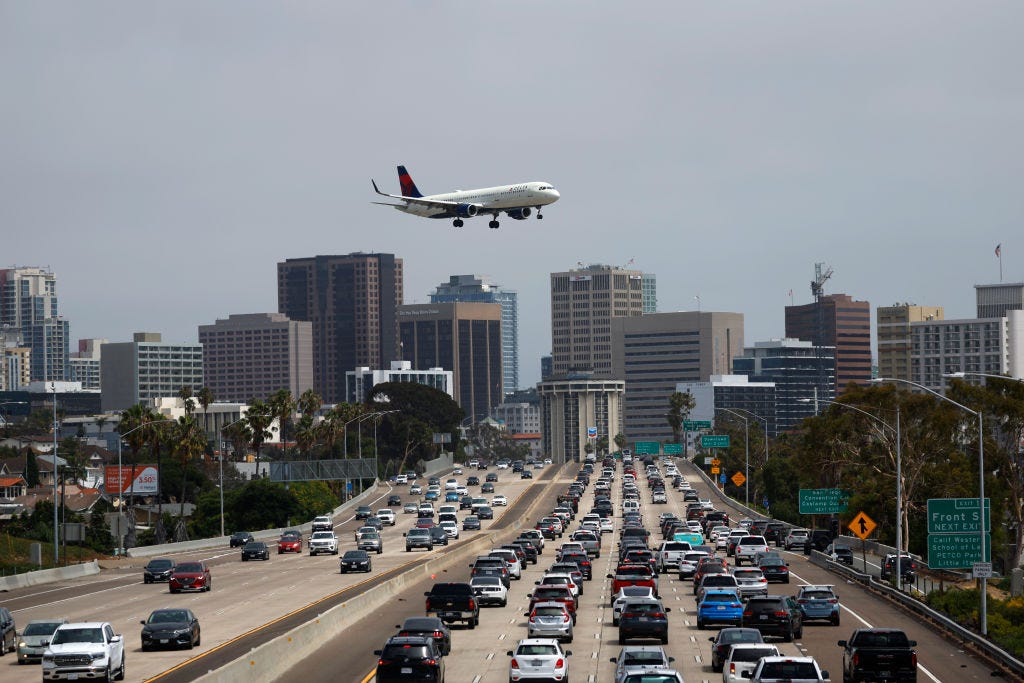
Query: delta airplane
(514,200)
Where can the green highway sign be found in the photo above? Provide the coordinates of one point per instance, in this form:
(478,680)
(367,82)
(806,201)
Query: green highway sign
(956,551)
(957,515)
(714,441)
(823,501)
(673,449)
(694,425)
(647,448)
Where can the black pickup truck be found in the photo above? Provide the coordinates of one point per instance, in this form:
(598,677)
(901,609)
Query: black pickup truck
(879,654)
(452,602)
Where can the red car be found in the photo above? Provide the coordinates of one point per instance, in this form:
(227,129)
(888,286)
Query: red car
(191,576)
(554,593)
(633,575)
(290,542)
(424,523)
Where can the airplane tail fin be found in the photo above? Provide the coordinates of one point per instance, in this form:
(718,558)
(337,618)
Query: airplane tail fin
(408,186)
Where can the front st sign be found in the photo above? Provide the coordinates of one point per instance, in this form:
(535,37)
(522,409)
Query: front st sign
(957,516)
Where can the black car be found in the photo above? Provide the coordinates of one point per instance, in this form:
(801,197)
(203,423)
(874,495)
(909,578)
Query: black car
(409,658)
(158,569)
(473,481)
(775,569)
(908,568)
(256,550)
(485,512)
(582,561)
(643,618)
(355,561)
(841,554)
(471,523)
(774,615)
(488,487)
(721,645)
(240,538)
(438,536)
(394,500)
(526,474)
(466,503)
(177,627)
(364,512)
(775,532)
(491,477)
(528,549)
(428,627)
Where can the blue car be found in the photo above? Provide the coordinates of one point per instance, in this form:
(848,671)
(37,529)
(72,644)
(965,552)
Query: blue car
(431,495)
(819,602)
(720,606)
(452,497)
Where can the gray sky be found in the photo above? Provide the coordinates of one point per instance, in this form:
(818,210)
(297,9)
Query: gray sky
(161,158)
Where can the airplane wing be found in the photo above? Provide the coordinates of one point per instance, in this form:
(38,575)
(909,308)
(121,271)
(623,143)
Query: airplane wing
(420,201)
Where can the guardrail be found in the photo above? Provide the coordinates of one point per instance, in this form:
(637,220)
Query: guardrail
(35,578)
(273,659)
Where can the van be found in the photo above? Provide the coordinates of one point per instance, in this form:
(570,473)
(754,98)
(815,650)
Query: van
(630,506)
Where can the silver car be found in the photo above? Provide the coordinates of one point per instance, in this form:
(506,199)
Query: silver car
(34,639)
(549,620)
(370,541)
(635,659)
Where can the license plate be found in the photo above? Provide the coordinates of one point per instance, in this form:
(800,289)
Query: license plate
(645,619)
(720,607)
(407,669)
(164,641)
(72,677)
(536,662)
(884,674)
(763,617)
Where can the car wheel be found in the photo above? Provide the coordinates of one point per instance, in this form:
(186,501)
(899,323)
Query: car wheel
(380,550)
(700,625)
(664,639)
(788,637)
(615,622)
(173,590)
(835,619)
(716,668)
(199,638)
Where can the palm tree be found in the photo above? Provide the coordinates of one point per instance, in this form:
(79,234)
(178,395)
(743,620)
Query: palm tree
(310,402)
(185,394)
(679,406)
(205,398)
(305,434)
(239,434)
(282,405)
(189,444)
(259,418)
(129,427)
(159,437)
(620,441)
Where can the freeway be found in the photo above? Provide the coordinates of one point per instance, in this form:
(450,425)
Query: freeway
(478,655)
(249,601)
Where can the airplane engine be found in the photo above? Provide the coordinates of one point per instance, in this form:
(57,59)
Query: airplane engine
(520,214)
(466,210)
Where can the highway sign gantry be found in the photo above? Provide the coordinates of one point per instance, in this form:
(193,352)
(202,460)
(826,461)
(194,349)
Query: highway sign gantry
(823,501)
(647,448)
(673,449)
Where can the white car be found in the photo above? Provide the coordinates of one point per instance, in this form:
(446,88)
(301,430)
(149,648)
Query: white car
(705,504)
(788,668)
(410,509)
(547,461)
(560,579)
(457,470)
(489,590)
(386,516)
(625,594)
(499,500)
(752,582)
(86,650)
(461,490)
(415,489)
(748,547)
(362,530)
(538,658)
(450,528)
(659,496)
(451,485)
(515,569)
(502,465)
(324,542)
(743,657)
(401,479)
(607,525)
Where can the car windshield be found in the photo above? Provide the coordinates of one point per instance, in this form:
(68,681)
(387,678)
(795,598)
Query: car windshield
(751,654)
(404,652)
(163,616)
(354,555)
(816,595)
(189,567)
(644,658)
(40,628)
(720,597)
(537,649)
(78,635)
(787,670)
(160,564)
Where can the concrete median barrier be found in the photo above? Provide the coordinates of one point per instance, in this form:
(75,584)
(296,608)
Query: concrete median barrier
(74,571)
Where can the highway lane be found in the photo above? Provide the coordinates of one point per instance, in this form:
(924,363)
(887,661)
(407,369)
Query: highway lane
(245,596)
(479,655)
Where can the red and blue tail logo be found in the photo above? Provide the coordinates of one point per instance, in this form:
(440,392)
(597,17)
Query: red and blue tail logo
(408,186)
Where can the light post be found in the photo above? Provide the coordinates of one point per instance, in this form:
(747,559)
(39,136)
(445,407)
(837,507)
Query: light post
(120,476)
(765,419)
(897,577)
(220,460)
(746,439)
(983,611)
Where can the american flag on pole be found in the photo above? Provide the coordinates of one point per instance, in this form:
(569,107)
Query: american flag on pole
(999,250)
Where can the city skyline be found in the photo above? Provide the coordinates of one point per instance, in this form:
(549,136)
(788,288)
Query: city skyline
(724,149)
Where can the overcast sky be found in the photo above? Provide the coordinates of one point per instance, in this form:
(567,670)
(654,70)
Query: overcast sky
(161,158)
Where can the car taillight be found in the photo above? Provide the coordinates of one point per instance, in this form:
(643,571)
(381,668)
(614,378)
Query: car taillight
(515,664)
(565,618)
(732,668)
(382,662)
(748,613)
(913,660)
(833,601)
(659,615)
(438,634)
(781,614)
(431,662)
(560,663)
(426,606)
(801,601)
(856,659)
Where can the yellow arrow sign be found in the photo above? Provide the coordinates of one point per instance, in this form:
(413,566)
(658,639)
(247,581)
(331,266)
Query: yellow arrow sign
(738,479)
(862,526)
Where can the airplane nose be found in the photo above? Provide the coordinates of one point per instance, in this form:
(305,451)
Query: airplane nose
(554,194)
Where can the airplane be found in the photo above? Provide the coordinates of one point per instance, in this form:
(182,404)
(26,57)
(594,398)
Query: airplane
(514,200)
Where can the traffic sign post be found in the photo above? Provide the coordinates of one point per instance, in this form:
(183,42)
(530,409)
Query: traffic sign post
(714,441)
(823,501)
(694,425)
(648,448)
(957,516)
(957,551)
(862,526)
(715,470)
(738,479)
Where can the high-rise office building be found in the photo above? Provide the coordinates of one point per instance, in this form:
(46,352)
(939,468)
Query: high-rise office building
(892,330)
(992,346)
(84,364)
(28,304)
(575,411)
(753,401)
(462,337)
(478,289)
(351,301)
(253,355)
(583,303)
(838,321)
(147,368)
(995,300)
(802,374)
(653,353)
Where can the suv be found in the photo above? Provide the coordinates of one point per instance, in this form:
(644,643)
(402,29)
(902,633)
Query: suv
(84,650)
(364,512)
(240,538)
(538,658)
(323,542)
(323,523)
(797,537)
(788,669)
(818,602)
(409,658)
(748,547)
(8,633)
(774,615)
(418,538)
(908,568)
(158,569)
(840,553)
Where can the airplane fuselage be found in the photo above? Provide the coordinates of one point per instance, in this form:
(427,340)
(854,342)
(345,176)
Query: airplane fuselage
(488,199)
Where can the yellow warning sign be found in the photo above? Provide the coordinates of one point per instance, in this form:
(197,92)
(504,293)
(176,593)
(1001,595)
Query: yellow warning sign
(716,462)
(738,479)
(716,470)
(862,526)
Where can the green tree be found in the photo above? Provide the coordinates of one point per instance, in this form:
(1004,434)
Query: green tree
(314,498)
(309,403)
(620,441)
(205,398)
(261,504)
(31,468)
(239,435)
(185,394)
(679,406)
(189,443)
(259,418)
(282,406)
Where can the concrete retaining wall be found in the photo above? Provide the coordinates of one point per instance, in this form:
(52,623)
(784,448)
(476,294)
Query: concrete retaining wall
(274,659)
(438,465)
(74,571)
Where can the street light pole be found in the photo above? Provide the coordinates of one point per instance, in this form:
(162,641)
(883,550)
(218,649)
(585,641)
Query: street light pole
(983,611)
(220,460)
(120,478)
(746,439)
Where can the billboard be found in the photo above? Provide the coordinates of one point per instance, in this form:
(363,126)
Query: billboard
(119,483)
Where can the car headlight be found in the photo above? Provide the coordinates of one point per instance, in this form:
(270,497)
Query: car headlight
(23,644)
(98,655)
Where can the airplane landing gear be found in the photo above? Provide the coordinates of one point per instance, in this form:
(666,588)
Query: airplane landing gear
(493,225)
(457,222)
(539,216)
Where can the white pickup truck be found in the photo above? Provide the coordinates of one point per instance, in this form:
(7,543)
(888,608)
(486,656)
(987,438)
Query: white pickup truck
(84,651)
(669,554)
